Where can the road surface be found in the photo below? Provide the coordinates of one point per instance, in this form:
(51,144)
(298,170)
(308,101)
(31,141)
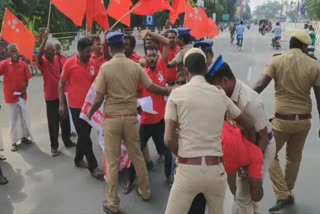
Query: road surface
(41,184)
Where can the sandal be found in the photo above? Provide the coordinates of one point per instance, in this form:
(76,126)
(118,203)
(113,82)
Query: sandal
(14,147)
(2,158)
(3,180)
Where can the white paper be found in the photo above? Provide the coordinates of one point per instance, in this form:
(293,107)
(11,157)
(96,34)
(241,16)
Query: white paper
(17,93)
(146,104)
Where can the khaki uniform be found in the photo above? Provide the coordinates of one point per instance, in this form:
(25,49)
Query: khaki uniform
(294,74)
(250,103)
(118,79)
(178,59)
(200,121)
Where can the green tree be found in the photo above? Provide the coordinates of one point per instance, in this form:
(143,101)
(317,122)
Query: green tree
(313,8)
(268,10)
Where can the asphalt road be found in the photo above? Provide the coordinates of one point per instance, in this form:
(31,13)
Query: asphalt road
(41,184)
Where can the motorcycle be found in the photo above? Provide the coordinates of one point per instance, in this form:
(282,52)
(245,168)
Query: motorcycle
(276,43)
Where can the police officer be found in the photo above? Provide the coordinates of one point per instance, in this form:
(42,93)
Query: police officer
(294,74)
(184,40)
(250,103)
(206,47)
(198,143)
(119,79)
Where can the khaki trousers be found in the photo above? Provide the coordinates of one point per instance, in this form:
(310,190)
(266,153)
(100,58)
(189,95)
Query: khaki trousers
(114,131)
(243,203)
(190,181)
(294,133)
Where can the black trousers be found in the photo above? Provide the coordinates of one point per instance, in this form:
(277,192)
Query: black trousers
(53,124)
(84,143)
(156,131)
(198,205)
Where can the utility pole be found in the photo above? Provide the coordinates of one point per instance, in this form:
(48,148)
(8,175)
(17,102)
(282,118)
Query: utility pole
(298,8)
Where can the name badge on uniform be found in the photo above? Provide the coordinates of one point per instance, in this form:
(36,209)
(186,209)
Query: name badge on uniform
(92,70)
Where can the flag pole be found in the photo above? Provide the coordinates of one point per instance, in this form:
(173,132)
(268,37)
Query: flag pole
(185,12)
(49,15)
(125,15)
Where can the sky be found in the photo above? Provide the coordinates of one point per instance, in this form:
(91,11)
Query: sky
(254,3)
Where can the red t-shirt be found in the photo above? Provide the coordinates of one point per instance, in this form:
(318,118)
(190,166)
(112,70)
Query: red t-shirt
(80,78)
(159,103)
(62,59)
(240,152)
(171,73)
(135,57)
(51,77)
(98,61)
(15,77)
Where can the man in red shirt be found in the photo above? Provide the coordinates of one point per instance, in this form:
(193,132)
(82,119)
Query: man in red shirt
(50,68)
(79,71)
(238,152)
(129,43)
(170,50)
(152,123)
(16,79)
(97,54)
(62,59)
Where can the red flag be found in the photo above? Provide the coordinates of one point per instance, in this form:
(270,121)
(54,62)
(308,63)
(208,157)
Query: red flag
(213,29)
(73,9)
(118,8)
(96,12)
(150,7)
(13,31)
(196,19)
(179,7)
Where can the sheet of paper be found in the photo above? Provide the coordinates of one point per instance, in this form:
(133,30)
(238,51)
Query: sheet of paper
(146,104)
(16,93)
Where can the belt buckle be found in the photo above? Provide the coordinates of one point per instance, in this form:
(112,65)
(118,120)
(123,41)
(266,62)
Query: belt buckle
(297,117)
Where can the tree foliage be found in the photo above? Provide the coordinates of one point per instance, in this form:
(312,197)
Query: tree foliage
(313,8)
(268,10)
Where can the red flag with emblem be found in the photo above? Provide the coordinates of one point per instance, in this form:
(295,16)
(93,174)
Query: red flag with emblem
(13,31)
(150,7)
(179,7)
(73,9)
(96,12)
(118,8)
(213,29)
(196,19)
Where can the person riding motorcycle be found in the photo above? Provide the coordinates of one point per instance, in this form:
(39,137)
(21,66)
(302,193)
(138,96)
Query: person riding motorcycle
(276,35)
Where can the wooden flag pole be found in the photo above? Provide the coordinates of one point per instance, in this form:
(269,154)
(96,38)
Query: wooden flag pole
(49,15)
(125,15)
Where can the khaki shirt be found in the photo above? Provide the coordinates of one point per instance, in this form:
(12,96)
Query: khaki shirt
(118,79)
(178,59)
(251,104)
(199,110)
(294,74)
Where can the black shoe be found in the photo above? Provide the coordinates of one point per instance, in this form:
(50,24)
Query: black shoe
(128,187)
(2,158)
(107,209)
(150,165)
(82,164)
(98,174)
(55,152)
(70,144)
(282,204)
(3,180)
(25,140)
(14,147)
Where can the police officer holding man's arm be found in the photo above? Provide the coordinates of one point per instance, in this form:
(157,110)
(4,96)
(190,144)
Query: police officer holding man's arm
(197,144)
(117,84)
